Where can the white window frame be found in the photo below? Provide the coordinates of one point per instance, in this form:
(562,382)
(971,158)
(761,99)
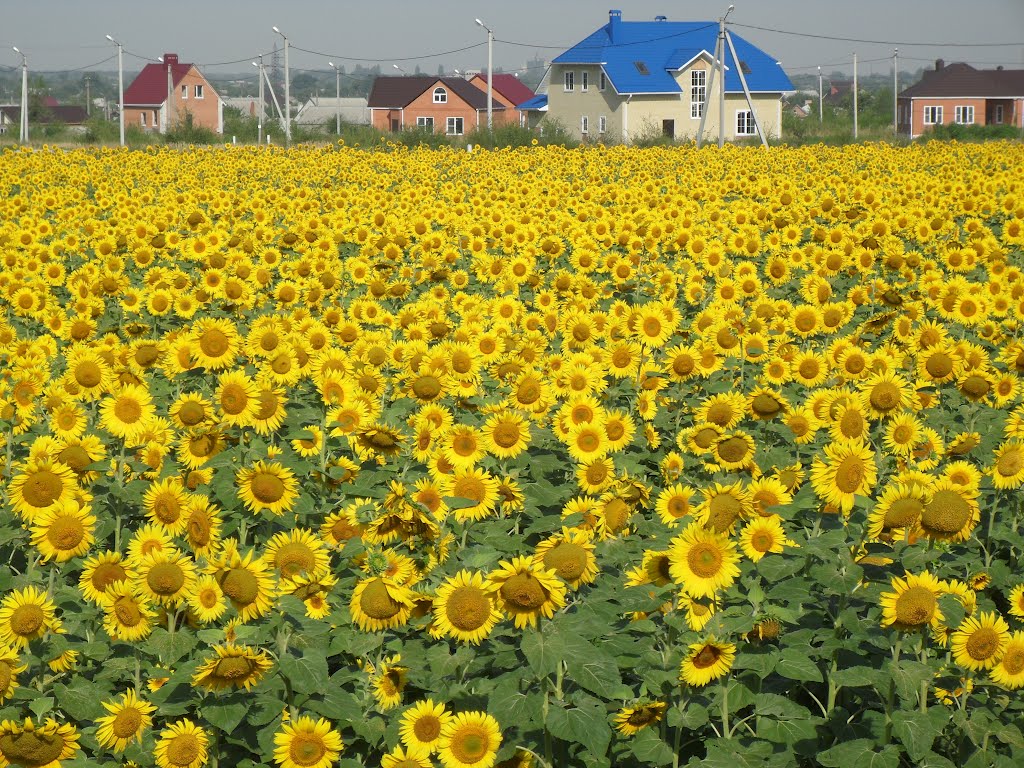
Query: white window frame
(199,91)
(698,90)
(569,81)
(933,115)
(142,118)
(963,114)
(748,123)
(184,90)
(425,122)
(997,114)
(584,81)
(454,126)
(440,95)
(602,81)
(602,124)
(585,125)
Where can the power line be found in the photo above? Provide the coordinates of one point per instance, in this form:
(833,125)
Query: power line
(598,47)
(390,58)
(874,42)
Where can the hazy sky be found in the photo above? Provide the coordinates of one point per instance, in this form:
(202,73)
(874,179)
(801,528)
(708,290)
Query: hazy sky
(65,34)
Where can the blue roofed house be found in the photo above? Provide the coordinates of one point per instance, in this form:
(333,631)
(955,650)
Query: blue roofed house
(633,79)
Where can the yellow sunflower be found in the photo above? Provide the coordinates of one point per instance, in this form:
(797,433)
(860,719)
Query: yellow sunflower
(40,486)
(887,394)
(1008,465)
(232,666)
(763,535)
(526,591)
(166,578)
(164,502)
(26,614)
(950,512)
(9,671)
(215,343)
(37,745)
(421,725)
(850,471)
(899,508)
(181,745)
(127,614)
(1009,672)
(706,661)
(207,603)
(980,641)
(722,506)
(267,486)
(388,682)
(128,720)
(631,720)
(64,531)
(469,740)
(238,399)
(914,605)
(464,609)
(506,434)
(703,561)
(476,491)
(380,603)
(126,413)
(246,580)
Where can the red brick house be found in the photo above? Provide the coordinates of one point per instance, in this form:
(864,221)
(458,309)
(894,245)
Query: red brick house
(959,93)
(448,105)
(146,104)
(507,91)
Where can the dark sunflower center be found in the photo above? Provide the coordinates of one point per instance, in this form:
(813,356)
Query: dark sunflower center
(704,559)
(42,488)
(234,668)
(885,396)
(183,749)
(568,560)
(27,620)
(128,409)
(982,644)
(1010,463)
(127,612)
(724,509)
(214,342)
(947,513)
(524,592)
(65,533)
(468,608)
(915,607)
(469,745)
(706,657)
(126,723)
(377,603)
(31,749)
(241,586)
(294,558)
(267,487)
(165,578)
(428,727)
(88,374)
(505,435)
(850,474)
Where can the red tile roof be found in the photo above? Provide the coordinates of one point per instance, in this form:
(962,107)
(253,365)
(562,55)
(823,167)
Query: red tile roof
(150,87)
(507,85)
(963,80)
(395,92)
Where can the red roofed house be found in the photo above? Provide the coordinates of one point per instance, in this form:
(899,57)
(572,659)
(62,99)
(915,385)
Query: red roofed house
(508,91)
(448,105)
(146,103)
(961,94)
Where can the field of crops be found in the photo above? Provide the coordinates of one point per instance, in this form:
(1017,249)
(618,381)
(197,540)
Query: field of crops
(540,457)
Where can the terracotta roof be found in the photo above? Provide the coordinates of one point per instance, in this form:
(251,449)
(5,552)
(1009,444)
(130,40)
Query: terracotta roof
(391,92)
(507,85)
(962,79)
(150,87)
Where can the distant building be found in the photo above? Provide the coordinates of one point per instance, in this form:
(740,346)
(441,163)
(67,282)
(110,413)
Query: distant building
(961,94)
(448,105)
(191,97)
(320,109)
(508,91)
(72,116)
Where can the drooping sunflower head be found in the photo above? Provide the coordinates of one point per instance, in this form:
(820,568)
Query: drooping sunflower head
(232,666)
(37,744)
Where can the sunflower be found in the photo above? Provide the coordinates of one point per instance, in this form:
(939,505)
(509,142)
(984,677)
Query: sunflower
(950,512)
(902,434)
(887,394)
(26,614)
(380,603)
(464,609)
(9,671)
(506,434)
(64,531)
(127,613)
(181,745)
(125,413)
(469,740)
(90,373)
(899,508)
(128,720)
(763,535)
(570,554)
(215,343)
(595,475)
(914,604)
(267,486)
(388,682)
(238,399)
(724,410)
(734,451)
(37,745)
(706,661)
(703,561)
(463,446)
(198,447)
(1017,601)
(246,580)
(766,493)
(476,490)
(722,506)
(850,471)
(1009,672)
(1008,467)
(980,641)
(526,591)
(631,720)
(698,611)
(232,666)
(167,578)
(765,404)
(207,603)
(202,525)
(272,408)
(39,486)
(421,725)
(296,553)
(587,442)
(164,502)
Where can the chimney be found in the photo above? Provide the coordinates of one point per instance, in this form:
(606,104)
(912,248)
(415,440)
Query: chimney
(661,18)
(614,26)
(939,64)
(999,68)
(170,58)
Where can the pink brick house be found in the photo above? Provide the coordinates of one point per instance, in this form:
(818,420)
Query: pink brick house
(508,91)
(146,102)
(448,105)
(961,94)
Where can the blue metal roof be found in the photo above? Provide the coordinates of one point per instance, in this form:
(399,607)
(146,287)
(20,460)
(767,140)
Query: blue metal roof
(538,102)
(644,55)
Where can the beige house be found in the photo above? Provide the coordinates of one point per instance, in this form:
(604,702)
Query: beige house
(635,80)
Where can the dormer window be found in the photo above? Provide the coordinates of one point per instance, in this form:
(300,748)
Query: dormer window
(440,96)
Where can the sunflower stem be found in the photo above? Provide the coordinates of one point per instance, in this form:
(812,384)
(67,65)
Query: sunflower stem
(726,733)
(890,698)
(923,694)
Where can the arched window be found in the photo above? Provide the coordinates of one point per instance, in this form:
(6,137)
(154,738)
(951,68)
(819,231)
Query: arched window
(440,95)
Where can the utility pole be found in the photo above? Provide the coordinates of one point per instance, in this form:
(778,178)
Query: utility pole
(88,101)
(120,84)
(23,132)
(746,91)
(262,98)
(170,99)
(895,92)
(490,75)
(337,97)
(854,95)
(821,99)
(287,94)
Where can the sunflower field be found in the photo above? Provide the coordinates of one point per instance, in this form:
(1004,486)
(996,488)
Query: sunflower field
(537,457)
